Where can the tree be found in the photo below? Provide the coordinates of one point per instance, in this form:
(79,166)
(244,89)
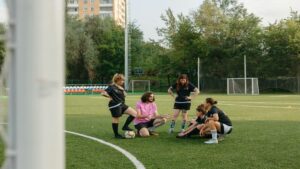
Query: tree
(2,45)
(80,52)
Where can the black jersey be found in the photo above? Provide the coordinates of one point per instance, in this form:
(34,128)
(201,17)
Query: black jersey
(200,120)
(223,118)
(183,92)
(117,95)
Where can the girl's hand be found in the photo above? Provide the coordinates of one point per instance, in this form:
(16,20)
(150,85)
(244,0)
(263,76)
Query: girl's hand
(188,98)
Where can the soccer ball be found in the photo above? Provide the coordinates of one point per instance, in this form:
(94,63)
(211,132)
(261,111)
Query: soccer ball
(129,134)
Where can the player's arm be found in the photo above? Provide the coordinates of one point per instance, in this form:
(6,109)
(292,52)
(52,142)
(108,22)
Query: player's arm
(170,91)
(195,92)
(139,113)
(215,117)
(158,116)
(105,94)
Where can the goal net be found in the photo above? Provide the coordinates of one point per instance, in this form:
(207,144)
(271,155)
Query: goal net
(242,86)
(139,86)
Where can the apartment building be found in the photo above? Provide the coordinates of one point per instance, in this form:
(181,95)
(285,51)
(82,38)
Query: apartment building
(101,8)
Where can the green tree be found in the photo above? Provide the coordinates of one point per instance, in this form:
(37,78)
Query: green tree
(2,45)
(80,52)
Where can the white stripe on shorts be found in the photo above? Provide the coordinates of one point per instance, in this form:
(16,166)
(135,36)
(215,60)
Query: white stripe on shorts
(115,106)
(183,102)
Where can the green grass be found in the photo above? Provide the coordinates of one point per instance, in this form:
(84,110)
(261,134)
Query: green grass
(266,135)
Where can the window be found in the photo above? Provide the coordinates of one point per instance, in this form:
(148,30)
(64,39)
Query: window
(105,15)
(85,1)
(92,8)
(92,1)
(106,8)
(85,9)
(105,1)
(72,9)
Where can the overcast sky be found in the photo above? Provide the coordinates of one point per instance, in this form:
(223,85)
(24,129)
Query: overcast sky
(146,13)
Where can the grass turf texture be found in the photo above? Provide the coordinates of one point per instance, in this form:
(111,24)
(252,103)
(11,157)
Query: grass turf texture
(266,135)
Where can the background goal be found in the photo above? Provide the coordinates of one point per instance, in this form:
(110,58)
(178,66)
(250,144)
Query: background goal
(242,86)
(139,86)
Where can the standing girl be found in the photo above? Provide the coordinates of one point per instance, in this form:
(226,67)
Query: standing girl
(183,88)
(117,105)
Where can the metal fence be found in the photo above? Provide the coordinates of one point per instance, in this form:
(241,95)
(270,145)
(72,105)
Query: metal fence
(207,85)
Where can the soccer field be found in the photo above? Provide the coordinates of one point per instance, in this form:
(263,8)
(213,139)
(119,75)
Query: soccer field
(266,135)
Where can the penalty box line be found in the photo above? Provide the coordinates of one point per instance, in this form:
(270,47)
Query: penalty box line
(132,158)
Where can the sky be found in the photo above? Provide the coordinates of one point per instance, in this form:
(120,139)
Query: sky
(146,13)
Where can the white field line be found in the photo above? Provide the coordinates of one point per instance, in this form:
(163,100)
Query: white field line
(271,103)
(132,158)
(269,107)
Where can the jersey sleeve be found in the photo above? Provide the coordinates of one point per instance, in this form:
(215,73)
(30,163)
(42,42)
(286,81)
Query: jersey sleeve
(138,105)
(191,87)
(173,87)
(108,90)
(214,110)
(154,107)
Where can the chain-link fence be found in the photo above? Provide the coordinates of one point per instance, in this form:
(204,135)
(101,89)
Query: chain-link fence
(207,85)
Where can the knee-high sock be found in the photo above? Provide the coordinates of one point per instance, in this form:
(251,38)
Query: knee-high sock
(172,125)
(214,134)
(128,121)
(115,127)
(183,124)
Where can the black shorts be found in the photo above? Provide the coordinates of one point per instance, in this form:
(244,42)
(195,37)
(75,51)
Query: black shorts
(146,125)
(118,110)
(182,106)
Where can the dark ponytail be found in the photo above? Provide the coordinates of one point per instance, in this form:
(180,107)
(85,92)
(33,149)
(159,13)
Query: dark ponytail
(211,101)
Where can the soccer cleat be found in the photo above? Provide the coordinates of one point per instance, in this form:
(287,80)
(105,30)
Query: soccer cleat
(127,128)
(171,130)
(211,141)
(119,136)
(182,130)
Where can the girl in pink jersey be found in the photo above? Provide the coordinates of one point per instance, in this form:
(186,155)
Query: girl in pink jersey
(147,118)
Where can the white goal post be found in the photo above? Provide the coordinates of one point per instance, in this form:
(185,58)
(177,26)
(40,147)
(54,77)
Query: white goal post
(242,86)
(140,86)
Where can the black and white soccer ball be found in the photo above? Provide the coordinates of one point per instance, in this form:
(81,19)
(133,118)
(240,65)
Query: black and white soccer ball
(129,134)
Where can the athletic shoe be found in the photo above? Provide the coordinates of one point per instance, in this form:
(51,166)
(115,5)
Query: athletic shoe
(171,130)
(182,130)
(119,136)
(211,141)
(127,128)
(153,133)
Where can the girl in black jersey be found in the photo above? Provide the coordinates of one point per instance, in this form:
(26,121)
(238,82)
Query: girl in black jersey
(183,88)
(217,121)
(196,125)
(117,105)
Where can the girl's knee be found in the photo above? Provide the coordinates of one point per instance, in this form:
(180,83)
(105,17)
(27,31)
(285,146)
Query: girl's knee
(144,132)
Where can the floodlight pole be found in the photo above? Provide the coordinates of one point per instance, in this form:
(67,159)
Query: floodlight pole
(198,73)
(245,73)
(36,102)
(126,44)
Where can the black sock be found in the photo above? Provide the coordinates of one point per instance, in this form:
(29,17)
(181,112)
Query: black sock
(115,127)
(128,121)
